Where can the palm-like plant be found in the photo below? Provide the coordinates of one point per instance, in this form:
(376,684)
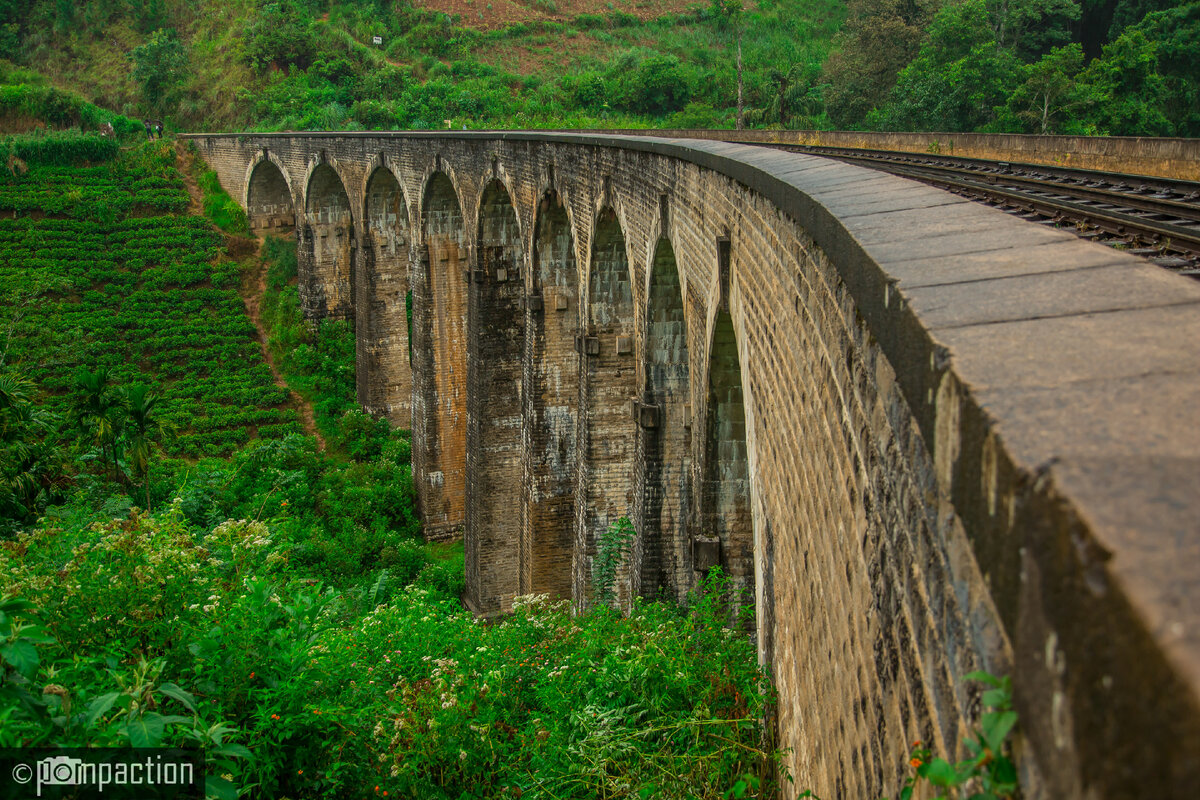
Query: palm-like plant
(98,412)
(140,401)
(31,462)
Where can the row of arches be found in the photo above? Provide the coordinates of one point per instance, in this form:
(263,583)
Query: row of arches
(531,431)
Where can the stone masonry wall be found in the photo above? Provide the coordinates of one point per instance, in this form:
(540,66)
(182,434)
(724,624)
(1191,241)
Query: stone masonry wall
(551,369)
(969,441)
(445,268)
(662,481)
(494,414)
(384,374)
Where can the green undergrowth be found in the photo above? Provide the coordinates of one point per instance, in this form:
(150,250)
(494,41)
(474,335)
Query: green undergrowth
(222,209)
(155,631)
(316,359)
(273,602)
(27,100)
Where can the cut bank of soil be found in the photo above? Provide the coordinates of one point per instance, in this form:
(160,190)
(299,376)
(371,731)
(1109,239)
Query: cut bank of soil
(252,292)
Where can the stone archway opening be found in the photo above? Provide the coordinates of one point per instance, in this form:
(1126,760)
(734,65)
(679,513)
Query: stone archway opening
(608,387)
(496,335)
(327,248)
(548,502)
(269,204)
(726,537)
(381,310)
(440,362)
(663,417)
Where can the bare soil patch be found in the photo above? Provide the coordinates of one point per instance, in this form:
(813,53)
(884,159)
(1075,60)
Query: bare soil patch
(490,15)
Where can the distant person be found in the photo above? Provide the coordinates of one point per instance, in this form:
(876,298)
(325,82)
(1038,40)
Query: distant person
(158,129)
(106,129)
(149,131)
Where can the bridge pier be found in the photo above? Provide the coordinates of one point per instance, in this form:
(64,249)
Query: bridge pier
(550,408)
(496,343)
(440,374)
(383,354)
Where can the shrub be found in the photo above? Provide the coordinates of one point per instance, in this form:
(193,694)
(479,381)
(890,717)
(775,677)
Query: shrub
(222,209)
(63,149)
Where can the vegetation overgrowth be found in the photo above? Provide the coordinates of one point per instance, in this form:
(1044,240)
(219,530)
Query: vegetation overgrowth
(262,598)
(1121,67)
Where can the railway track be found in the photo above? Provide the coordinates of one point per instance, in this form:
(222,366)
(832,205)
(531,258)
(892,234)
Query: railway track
(1157,218)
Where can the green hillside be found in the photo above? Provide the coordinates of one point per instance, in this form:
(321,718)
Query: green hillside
(1120,67)
(235,64)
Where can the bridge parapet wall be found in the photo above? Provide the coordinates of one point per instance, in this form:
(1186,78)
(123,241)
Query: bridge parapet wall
(1136,155)
(971,442)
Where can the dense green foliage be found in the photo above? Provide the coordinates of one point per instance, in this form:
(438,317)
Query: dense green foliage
(27,100)
(277,606)
(1121,67)
(303,64)
(1036,66)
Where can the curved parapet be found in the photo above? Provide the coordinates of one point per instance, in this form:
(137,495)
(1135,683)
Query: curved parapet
(930,437)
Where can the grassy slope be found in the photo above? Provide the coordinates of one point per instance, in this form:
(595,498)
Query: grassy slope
(526,61)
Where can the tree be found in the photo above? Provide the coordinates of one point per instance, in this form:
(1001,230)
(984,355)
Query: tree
(729,15)
(877,40)
(283,34)
(158,65)
(98,413)
(1031,27)
(140,401)
(958,78)
(1125,93)
(1049,91)
(657,85)
(1176,34)
(795,89)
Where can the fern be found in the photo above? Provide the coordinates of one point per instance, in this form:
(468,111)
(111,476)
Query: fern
(614,546)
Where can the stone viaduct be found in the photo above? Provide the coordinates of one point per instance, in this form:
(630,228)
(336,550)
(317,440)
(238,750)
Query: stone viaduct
(925,436)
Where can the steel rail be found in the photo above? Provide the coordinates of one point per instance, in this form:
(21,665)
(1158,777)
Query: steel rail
(1076,197)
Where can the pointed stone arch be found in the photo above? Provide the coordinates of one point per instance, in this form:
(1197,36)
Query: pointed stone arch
(604,484)
(496,335)
(726,535)
(551,411)
(440,360)
(664,437)
(326,249)
(268,201)
(381,308)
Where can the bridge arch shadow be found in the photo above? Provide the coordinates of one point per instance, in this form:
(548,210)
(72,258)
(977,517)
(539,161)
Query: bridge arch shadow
(440,360)
(327,247)
(381,306)
(726,535)
(268,200)
(663,462)
(604,483)
(496,334)
(548,501)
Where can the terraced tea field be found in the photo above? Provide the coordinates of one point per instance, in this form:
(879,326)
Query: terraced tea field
(100,266)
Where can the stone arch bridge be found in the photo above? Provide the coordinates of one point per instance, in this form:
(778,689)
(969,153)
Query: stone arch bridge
(926,436)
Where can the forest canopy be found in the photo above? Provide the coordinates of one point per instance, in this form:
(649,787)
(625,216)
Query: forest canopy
(1103,67)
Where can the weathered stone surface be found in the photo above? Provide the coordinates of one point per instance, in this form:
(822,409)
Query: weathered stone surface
(1162,157)
(931,437)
